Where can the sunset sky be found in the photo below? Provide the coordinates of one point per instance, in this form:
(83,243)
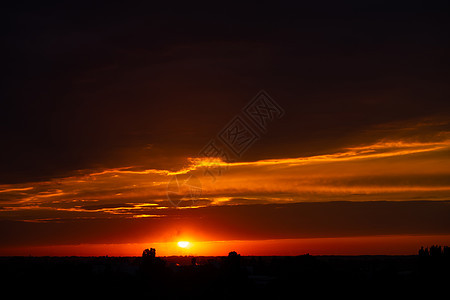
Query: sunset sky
(109,115)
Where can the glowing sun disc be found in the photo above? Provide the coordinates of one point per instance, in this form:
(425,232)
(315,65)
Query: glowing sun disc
(183,244)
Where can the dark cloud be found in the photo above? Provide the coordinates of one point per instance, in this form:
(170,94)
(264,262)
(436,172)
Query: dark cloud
(92,88)
(242,222)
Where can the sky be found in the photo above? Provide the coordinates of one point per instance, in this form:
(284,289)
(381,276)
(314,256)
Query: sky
(270,129)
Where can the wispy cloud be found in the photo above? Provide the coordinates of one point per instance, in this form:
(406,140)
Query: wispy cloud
(388,169)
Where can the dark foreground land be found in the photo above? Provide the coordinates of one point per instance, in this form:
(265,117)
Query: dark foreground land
(232,277)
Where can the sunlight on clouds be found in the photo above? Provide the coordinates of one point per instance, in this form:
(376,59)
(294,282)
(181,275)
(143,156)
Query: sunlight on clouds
(395,170)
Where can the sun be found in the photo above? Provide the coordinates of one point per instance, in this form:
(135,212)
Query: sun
(183,244)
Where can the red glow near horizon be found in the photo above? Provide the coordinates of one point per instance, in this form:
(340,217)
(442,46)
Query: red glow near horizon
(376,245)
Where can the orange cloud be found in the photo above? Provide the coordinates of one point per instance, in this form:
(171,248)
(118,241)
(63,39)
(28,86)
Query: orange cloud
(391,171)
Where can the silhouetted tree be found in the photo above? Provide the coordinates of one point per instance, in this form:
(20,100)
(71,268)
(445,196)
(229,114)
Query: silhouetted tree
(234,260)
(152,266)
(435,251)
(233,263)
(422,252)
(446,251)
(149,254)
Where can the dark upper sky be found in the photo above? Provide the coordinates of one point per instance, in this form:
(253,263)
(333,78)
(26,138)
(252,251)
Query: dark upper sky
(98,86)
